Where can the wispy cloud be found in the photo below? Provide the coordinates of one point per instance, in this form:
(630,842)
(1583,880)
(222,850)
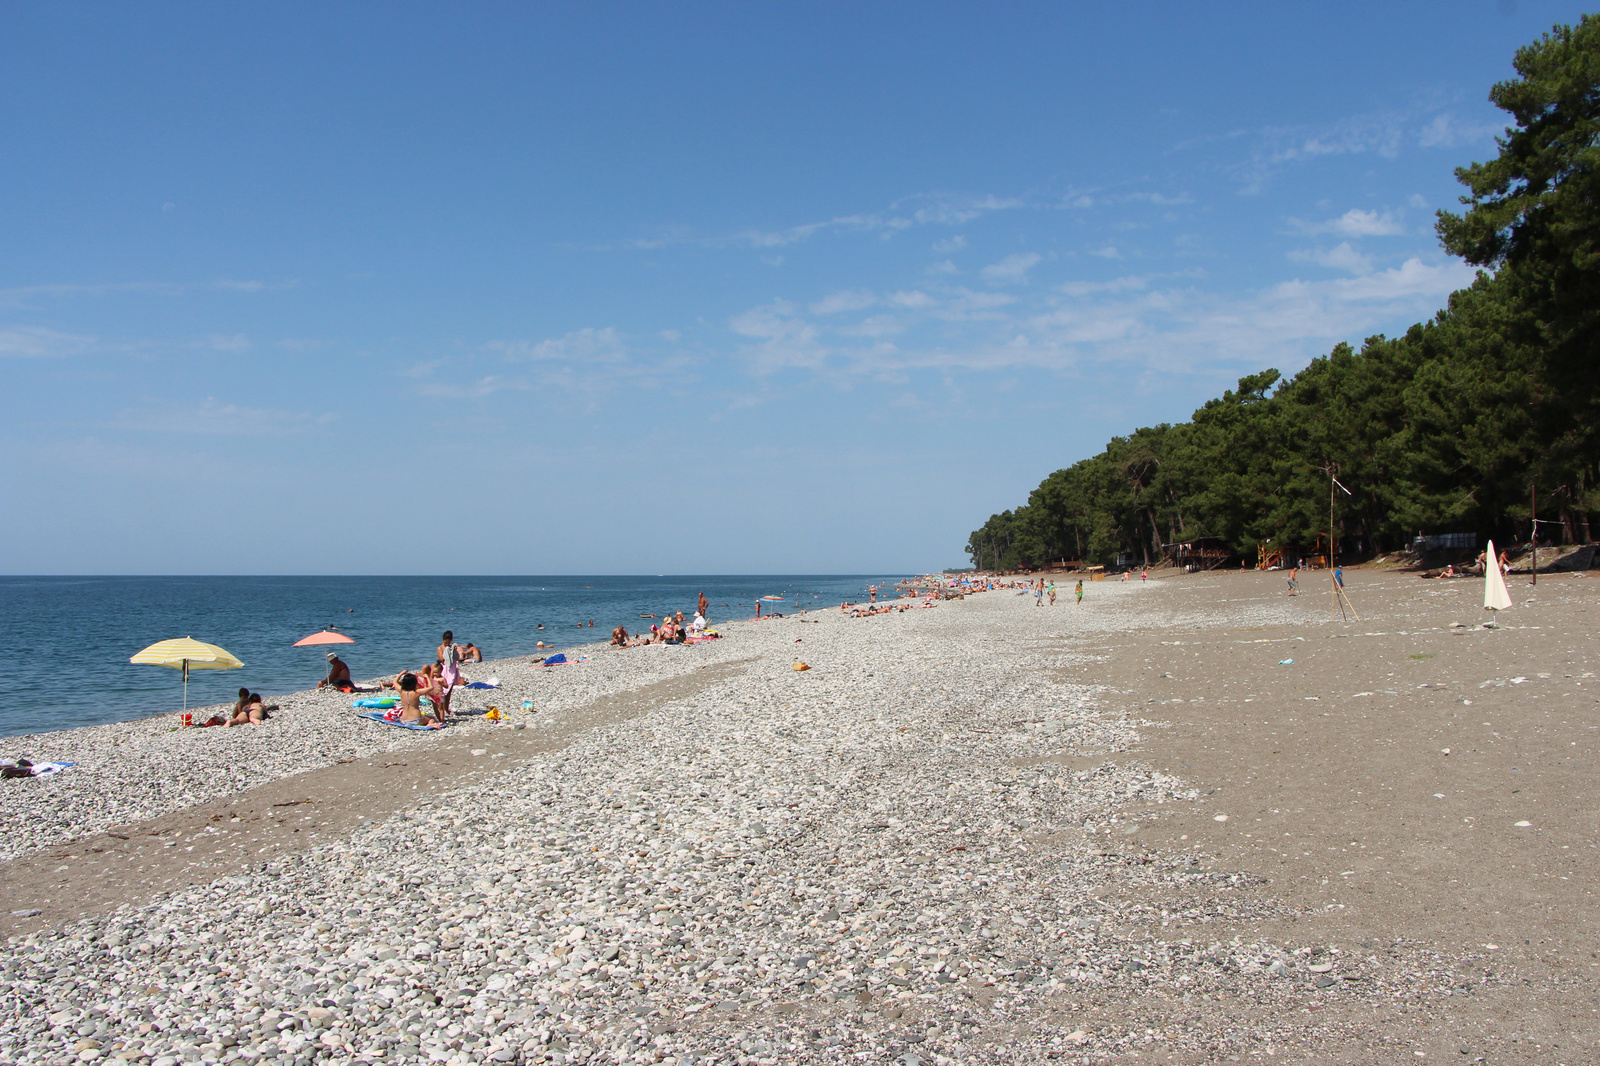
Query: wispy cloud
(1136,323)
(1447,131)
(923,209)
(843,301)
(1340,257)
(29,296)
(1384,134)
(1012,268)
(214,418)
(583,345)
(476,389)
(40,342)
(1354,223)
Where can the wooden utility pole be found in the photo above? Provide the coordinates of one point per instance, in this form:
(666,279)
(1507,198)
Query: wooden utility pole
(1332,566)
(1533,543)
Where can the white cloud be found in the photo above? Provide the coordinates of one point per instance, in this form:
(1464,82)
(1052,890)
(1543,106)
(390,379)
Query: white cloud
(35,342)
(954,210)
(911,298)
(781,338)
(843,301)
(1013,267)
(1447,131)
(1341,257)
(1355,223)
(944,266)
(874,326)
(1108,252)
(585,345)
(471,390)
(227,342)
(218,419)
(926,209)
(25,296)
(1087,288)
(1385,134)
(952,244)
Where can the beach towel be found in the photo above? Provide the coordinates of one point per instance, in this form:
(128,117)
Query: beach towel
(376,716)
(556,660)
(381,703)
(481,684)
(23,768)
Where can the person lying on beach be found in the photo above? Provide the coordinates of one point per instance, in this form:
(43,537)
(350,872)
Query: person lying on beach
(619,637)
(338,674)
(471,653)
(251,712)
(410,709)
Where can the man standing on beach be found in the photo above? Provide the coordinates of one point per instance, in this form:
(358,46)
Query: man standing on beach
(705,607)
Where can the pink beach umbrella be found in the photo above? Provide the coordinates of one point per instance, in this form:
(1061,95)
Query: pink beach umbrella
(327,636)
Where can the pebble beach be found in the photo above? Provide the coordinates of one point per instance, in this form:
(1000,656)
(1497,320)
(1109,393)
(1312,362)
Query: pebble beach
(936,844)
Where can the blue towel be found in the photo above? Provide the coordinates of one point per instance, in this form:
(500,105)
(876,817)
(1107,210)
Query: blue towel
(481,684)
(555,660)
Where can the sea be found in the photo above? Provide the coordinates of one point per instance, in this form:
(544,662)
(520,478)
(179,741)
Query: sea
(71,637)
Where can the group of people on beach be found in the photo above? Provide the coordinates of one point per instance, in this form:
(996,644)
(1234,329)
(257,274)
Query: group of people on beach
(672,629)
(1043,591)
(435,681)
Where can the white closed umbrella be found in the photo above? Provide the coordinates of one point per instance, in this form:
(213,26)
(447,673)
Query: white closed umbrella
(1495,596)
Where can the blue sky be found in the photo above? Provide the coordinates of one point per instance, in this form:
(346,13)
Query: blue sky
(401,288)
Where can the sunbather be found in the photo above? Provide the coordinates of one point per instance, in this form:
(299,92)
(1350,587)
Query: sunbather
(252,711)
(410,709)
(338,674)
(619,637)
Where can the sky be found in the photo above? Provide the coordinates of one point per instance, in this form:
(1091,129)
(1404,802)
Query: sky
(677,288)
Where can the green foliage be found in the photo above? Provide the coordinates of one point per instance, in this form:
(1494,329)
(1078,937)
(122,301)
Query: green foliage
(1442,429)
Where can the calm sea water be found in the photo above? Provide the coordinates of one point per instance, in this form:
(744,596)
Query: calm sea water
(71,636)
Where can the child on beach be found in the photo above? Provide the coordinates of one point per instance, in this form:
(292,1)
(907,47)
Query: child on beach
(1294,585)
(1051,591)
(1080,590)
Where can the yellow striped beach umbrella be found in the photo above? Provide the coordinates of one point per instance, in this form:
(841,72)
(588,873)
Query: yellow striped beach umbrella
(186,653)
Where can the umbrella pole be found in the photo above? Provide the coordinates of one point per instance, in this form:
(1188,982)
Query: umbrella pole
(186,686)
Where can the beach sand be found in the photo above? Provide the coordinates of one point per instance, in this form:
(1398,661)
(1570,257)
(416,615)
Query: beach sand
(983,832)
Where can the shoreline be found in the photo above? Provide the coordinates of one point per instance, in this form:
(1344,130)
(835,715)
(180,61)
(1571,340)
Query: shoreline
(985,832)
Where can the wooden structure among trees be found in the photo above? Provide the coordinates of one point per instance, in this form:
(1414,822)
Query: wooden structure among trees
(1202,553)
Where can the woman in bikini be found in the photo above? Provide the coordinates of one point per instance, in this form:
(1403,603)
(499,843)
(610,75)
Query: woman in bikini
(410,710)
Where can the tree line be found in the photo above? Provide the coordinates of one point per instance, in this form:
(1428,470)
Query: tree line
(1463,424)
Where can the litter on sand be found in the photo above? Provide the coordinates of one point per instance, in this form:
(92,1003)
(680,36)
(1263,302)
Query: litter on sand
(1285,662)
